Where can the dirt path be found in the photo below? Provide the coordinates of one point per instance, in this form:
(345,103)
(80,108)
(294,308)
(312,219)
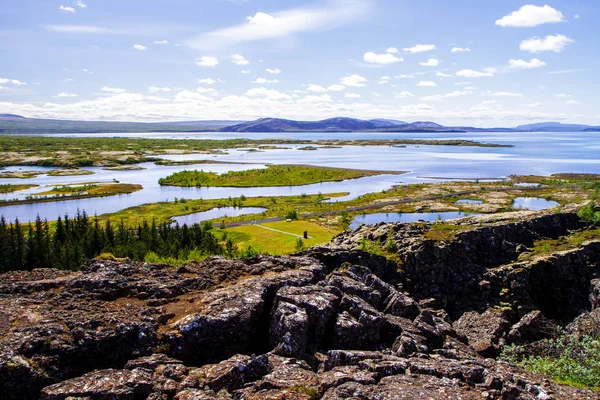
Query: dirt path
(379,205)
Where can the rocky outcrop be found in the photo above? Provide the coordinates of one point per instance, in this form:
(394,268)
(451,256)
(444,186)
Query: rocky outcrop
(330,323)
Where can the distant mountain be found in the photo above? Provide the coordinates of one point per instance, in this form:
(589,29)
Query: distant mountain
(10,123)
(15,124)
(427,125)
(387,122)
(286,125)
(555,127)
(11,116)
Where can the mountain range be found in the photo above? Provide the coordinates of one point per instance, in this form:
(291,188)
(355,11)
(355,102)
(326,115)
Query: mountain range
(11,123)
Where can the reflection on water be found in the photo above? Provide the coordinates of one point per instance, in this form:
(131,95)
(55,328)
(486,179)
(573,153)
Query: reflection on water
(469,201)
(533,203)
(216,213)
(372,219)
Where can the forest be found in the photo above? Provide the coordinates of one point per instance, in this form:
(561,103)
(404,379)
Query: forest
(73,240)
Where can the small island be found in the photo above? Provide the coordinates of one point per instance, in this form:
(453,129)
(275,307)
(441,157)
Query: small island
(275,175)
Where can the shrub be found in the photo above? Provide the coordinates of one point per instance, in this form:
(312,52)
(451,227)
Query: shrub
(568,359)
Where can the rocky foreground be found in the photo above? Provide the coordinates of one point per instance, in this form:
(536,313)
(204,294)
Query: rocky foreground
(331,323)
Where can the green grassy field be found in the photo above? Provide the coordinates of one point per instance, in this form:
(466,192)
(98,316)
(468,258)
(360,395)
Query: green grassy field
(275,175)
(271,242)
(14,188)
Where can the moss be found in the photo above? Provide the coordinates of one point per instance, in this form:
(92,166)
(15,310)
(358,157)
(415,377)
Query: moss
(313,393)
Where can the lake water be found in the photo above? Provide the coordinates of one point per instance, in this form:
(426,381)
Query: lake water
(372,219)
(533,203)
(468,201)
(216,213)
(533,154)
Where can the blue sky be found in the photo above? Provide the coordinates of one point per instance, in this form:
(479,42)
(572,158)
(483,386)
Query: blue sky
(460,62)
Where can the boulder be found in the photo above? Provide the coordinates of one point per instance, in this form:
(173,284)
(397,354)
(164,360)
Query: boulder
(484,331)
(103,385)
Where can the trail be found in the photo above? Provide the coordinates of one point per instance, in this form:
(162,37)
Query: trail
(284,232)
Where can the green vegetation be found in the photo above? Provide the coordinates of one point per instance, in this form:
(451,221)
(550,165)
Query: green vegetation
(276,175)
(568,242)
(69,172)
(80,191)
(569,359)
(74,240)
(590,213)
(266,241)
(312,393)
(442,232)
(14,188)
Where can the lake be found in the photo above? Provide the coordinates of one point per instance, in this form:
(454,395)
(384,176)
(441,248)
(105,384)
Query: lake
(533,154)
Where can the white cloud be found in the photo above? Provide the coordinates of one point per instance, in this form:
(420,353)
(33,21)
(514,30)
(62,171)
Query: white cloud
(270,94)
(209,91)
(82,29)
(112,90)
(316,88)
(15,82)
(438,97)
(155,89)
(426,84)
(207,61)
(573,102)
(80,4)
(207,81)
(505,94)
(392,50)
(140,47)
(245,71)
(555,43)
(530,15)
(383,59)
(463,83)
(443,75)
(352,95)
(460,50)
(522,64)
(284,23)
(239,59)
(262,81)
(63,95)
(403,95)
(321,89)
(469,73)
(563,96)
(535,105)
(353,80)
(336,87)
(432,62)
(66,9)
(161,42)
(405,76)
(273,70)
(420,48)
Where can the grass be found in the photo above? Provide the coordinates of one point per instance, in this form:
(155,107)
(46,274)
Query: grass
(271,242)
(14,188)
(59,193)
(569,242)
(276,175)
(442,232)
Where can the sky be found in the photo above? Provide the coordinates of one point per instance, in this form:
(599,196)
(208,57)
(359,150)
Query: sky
(461,62)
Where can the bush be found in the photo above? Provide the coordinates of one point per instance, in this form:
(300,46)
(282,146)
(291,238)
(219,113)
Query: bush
(590,213)
(291,215)
(568,359)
